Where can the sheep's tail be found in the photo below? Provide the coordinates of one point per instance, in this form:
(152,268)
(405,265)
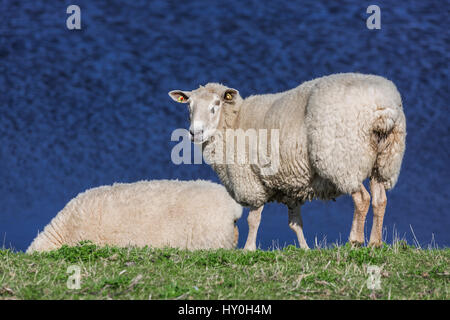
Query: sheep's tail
(385,119)
(388,139)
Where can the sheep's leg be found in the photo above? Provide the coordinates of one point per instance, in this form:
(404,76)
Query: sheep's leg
(379,201)
(296,224)
(361,200)
(254,218)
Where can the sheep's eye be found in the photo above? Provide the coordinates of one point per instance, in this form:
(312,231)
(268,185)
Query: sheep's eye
(228,96)
(213,110)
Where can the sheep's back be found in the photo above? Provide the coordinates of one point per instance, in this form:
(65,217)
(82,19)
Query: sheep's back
(186,214)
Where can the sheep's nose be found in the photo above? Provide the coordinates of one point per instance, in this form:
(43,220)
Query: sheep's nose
(195,132)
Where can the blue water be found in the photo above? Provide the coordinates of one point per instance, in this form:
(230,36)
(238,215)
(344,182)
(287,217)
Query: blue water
(85,108)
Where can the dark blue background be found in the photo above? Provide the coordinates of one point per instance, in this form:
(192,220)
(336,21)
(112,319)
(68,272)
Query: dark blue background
(85,108)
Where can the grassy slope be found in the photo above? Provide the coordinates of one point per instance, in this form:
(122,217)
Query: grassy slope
(291,273)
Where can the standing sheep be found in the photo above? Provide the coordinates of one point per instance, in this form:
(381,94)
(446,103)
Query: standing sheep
(184,214)
(334,132)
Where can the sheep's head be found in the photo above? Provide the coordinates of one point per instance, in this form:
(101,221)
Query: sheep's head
(210,108)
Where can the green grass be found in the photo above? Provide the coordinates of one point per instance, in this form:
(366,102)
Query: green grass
(291,273)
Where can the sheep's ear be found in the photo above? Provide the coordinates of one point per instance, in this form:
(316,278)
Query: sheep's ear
(179,96)
(230,95)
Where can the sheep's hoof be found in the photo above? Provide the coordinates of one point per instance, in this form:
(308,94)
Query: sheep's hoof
(250,248)
(375,244)
(356,244)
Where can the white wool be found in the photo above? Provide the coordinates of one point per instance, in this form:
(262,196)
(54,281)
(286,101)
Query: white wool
(335,131)
(184,214)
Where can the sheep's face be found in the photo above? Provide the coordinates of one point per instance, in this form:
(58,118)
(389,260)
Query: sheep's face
(206,106)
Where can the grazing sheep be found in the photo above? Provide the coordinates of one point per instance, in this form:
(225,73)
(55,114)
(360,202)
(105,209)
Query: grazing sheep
(334,132)
(184,214)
